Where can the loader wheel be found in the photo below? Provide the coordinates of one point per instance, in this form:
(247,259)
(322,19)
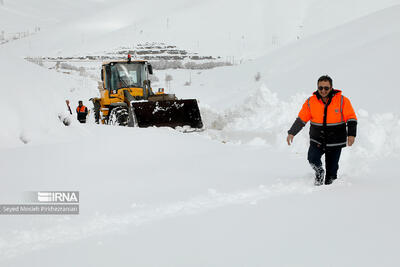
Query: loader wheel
(118,116)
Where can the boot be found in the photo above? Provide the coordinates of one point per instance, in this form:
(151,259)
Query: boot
(329,179)
(319,176)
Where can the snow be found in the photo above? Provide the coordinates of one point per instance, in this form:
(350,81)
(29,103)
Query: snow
(232,195)
(240,29)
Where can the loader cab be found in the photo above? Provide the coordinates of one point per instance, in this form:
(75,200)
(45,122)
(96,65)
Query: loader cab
(127,74)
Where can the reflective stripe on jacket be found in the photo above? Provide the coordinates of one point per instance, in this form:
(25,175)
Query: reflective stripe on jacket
(328,121)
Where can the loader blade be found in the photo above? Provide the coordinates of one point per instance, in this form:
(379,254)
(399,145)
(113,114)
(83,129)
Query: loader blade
(168,113)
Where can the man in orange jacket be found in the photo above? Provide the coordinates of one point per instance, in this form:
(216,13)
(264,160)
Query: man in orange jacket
(81,112)
(333,125)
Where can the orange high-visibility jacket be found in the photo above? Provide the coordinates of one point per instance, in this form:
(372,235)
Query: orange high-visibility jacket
(81,109)
(81,112)
(328,121)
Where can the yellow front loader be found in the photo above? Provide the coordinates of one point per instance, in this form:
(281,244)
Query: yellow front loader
(127,99)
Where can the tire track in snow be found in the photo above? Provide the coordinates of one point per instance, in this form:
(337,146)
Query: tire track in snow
(21,242)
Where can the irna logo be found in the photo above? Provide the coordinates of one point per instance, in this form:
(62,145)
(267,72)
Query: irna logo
(58,197)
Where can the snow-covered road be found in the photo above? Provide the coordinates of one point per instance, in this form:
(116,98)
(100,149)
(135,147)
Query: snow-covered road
(232,195)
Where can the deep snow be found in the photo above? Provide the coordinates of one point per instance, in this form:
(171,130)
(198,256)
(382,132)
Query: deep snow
(232,195)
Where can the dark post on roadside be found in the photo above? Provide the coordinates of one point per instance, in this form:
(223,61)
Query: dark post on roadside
(69,108)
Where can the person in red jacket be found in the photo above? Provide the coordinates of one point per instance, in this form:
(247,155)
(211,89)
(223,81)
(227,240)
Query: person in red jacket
(81,112)
(333,126)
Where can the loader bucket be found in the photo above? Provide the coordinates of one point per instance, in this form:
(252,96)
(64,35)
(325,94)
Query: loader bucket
(168,113)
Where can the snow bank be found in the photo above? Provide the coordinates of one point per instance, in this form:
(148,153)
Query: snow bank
(262,120)
(33,97)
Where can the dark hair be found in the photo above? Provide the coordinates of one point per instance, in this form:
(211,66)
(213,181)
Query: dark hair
(325,78)
(80,101)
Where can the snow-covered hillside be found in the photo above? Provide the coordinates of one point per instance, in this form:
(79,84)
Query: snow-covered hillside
(361,56)
(230,28)
(232,195)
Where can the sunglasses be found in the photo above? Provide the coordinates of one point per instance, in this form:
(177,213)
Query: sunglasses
(326,88)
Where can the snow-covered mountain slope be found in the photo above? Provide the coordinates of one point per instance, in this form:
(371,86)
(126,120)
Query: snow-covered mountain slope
(226,28)
(21,15)
(232,195)
(361,56)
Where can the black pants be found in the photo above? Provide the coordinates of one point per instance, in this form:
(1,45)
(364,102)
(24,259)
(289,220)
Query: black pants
(332,156)
(81,117)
